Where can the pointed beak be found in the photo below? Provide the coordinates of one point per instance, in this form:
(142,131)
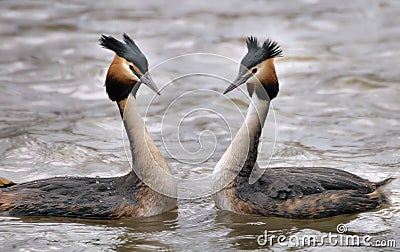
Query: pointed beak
(148,81)
(241,79)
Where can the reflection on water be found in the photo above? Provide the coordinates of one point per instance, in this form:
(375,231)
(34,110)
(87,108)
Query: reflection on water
(242,237)
(338,107)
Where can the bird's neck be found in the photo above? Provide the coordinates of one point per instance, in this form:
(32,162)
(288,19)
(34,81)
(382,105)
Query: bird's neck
(147,162)
(241,155)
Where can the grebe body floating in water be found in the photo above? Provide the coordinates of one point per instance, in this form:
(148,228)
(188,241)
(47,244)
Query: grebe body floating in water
(106,198)
(290,192)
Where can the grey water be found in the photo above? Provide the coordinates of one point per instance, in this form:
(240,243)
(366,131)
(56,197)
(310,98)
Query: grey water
(338,106)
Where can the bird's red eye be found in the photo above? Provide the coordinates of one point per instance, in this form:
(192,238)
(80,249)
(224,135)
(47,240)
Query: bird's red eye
(254,70)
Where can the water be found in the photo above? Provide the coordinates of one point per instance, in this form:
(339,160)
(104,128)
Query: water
(338,107)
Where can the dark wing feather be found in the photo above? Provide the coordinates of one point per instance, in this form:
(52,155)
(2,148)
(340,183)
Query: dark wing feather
(66,197)
(310,192)
(284,183)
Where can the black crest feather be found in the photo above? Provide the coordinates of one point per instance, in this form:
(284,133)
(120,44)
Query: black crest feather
(127,50)
(272,48)
(131,44)
(252,43)
(257,54)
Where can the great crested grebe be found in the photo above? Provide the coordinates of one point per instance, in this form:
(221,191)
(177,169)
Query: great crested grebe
(106,198)
(290,192)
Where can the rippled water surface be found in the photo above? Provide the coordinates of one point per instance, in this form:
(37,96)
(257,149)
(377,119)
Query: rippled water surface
(338,106)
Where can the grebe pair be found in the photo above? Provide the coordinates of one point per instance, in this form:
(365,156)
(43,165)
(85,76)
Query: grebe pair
(286,192)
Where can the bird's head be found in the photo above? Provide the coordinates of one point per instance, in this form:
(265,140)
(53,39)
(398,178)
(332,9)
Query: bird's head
(128,69)
(257,68)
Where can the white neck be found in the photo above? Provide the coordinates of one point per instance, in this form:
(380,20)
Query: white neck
(244,143)
(147,161)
